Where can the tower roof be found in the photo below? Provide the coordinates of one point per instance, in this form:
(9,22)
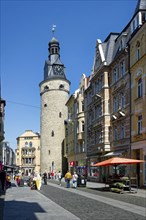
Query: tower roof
(54,68)
(53,40)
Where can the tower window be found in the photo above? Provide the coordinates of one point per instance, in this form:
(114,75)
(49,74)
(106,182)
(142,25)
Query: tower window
(60,114)
(52,50)
(61,86)
(52,133)
(46,88)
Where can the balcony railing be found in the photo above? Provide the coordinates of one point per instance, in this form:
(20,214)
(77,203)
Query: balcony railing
(28,155)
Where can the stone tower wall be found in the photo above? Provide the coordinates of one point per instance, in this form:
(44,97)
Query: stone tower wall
(53,100)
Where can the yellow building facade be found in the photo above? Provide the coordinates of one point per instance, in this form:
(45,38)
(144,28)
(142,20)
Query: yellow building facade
(138,100)
(28,152)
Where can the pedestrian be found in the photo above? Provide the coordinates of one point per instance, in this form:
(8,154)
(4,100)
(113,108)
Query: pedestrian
(38,181)
(45,178)
(68,177)
(59,177)
(75,178)
(3,179)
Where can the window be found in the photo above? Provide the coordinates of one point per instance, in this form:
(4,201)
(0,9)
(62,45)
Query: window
(82,106)
(121,45)
(122,68)
(139,88)
(60,115)
(77,107)
(115,75)
(122,131)
(134,25)
(139,124)
(138,50)
(115,104)
(52,50)
(115,134)
(52,133)
(61,86)
(30,144)
(83,126)
(122,100)
(46,88)
(26,144)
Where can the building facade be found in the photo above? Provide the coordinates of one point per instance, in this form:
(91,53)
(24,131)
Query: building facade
(108,96)
(54,92)
(75,130)
(2,113)
(98,107)
(7,156)
(28,152)
(137,46)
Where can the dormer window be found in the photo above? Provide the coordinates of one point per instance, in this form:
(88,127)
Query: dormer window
(143,17)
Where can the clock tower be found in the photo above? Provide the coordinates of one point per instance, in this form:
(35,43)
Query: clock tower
(54,93)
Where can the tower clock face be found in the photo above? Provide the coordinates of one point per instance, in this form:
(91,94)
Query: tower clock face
(58,70)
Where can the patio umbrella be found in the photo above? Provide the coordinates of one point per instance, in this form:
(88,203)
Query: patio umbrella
(117,161)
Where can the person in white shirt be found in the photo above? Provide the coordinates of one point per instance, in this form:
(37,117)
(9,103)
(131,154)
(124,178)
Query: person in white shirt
(75,177)
(59,177)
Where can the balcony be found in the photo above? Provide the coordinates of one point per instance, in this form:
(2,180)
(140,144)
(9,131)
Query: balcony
(24,165)
(28,148)
(81,136)
(28,156)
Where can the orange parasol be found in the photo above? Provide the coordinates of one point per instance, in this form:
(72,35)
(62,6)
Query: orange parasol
(117,161)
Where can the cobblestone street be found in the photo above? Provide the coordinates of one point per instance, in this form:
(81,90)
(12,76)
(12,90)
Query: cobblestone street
(88,208)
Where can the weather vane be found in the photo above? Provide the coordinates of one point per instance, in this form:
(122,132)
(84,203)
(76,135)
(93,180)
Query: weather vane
(53,29)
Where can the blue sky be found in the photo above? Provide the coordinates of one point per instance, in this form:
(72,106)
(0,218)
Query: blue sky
(25,33)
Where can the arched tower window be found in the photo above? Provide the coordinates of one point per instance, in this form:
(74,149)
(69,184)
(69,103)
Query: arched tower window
(60,114)
(30,144)
(26,144)
(52,133)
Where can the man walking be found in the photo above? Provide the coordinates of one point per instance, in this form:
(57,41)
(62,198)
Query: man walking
(68,177)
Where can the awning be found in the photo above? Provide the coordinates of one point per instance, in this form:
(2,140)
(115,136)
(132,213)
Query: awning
(116,153)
